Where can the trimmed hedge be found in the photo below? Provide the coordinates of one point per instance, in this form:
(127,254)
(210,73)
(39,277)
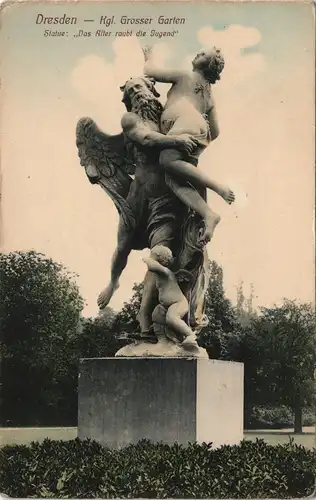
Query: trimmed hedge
(85,469)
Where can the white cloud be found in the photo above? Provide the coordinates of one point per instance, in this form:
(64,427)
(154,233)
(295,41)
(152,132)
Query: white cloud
(232,39)
(98,81)
(94,81)
(129,60)
(161,53)
(238,67)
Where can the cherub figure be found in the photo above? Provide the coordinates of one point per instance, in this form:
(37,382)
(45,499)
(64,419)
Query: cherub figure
(190,110)
(170,295)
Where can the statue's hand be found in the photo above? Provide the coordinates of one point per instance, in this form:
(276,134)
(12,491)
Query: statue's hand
(186,143)
(147,51)
(183,276)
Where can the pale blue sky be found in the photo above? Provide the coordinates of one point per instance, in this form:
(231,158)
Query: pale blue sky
(285,28)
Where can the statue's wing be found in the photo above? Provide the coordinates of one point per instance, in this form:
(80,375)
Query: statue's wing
(108,162)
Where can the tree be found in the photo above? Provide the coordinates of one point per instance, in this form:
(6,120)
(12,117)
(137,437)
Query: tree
(250,309)
(97,337)
(217,305)
(244,308)
(125,320)
(221,336)
(39,315)
(240,305)
(279,354)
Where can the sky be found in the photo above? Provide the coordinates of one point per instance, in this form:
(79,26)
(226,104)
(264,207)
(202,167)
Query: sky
(265,151)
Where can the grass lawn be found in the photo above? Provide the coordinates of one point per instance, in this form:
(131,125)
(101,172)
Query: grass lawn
(281,436)
(24,435)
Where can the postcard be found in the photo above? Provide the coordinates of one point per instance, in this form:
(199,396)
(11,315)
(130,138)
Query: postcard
(157,249)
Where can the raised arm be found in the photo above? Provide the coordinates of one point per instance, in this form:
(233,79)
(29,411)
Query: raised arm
(160,74)
(137,131)
(155,267)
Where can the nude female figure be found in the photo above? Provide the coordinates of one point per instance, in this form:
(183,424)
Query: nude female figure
(190,110)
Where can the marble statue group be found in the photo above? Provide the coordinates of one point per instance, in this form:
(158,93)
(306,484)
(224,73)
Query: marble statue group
(150,172)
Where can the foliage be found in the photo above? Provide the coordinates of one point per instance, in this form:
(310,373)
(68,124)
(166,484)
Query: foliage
(218,308)
(277,348)
(309,418)
(39,314)
(270,417)
(276,417)
(245,311)
(221,336)
(279,353)
(290,331)
(84,469)
(96,337)
(125,320)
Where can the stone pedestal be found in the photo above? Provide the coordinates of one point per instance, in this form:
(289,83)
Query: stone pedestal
(124,400)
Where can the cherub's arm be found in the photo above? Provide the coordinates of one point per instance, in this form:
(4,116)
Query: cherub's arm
(137,131)
(213,121)
(160,74)
(155,267)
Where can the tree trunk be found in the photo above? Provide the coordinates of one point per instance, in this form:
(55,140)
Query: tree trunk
(298,419)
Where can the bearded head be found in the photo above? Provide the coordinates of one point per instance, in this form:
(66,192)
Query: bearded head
(141,97)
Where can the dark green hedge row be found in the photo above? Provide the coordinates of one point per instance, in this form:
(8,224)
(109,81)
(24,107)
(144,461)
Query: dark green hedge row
(84,469)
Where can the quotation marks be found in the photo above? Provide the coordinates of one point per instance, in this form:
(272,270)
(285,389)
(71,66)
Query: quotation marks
(126,33)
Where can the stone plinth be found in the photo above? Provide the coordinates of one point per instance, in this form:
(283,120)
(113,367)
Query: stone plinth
(163,348)
(123,400)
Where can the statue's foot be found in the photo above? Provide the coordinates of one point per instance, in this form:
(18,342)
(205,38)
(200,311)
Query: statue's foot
(106,295)
(145,322)
(146,336)
(150,337)
(190,342)
(228,195)
(210,225)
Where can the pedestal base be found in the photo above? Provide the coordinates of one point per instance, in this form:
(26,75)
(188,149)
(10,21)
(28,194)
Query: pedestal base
(164,348)
(124,400)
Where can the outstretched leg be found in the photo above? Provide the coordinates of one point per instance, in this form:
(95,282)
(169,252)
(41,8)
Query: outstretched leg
(119,261)
(172,161)
(174,321)
(190,197)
